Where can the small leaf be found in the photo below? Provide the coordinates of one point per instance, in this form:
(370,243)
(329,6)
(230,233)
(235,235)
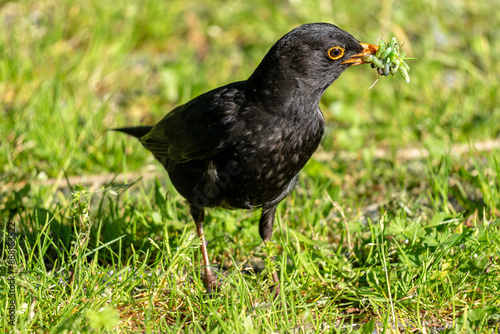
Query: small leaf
(368,328)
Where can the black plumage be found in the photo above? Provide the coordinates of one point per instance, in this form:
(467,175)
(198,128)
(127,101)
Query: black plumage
(241,146)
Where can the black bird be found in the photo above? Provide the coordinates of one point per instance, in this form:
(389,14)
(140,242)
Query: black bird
(242,145)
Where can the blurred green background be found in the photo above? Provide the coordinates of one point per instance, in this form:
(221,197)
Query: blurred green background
(70,70)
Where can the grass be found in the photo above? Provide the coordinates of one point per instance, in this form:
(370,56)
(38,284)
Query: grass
(372,239)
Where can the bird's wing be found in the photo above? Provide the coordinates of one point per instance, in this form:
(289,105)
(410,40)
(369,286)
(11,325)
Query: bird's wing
(198,129)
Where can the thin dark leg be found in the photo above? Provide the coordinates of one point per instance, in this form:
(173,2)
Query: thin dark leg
(210,278)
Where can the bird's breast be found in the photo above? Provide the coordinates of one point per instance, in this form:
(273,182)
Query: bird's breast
(266,156)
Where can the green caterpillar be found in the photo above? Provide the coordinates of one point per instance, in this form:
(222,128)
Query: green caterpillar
(388,60)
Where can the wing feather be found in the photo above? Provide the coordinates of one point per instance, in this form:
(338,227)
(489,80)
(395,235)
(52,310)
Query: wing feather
(198,129)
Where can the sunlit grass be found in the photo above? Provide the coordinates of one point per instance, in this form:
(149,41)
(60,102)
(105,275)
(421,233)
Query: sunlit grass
(367,241)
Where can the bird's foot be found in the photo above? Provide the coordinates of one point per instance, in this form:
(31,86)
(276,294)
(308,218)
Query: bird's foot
(212,290)
(212,283)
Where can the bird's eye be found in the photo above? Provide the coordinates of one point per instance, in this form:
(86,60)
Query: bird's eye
(336,52)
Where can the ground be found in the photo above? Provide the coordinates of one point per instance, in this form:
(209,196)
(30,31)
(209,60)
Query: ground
(394,226)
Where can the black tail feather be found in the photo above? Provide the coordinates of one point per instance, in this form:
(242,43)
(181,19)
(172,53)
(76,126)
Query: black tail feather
(137,131)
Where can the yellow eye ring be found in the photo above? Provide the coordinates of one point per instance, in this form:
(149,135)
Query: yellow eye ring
(336,52)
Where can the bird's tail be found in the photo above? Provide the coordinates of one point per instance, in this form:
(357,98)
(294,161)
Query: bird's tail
(137,131)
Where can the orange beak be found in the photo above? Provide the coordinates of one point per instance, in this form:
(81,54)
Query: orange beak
(357,59)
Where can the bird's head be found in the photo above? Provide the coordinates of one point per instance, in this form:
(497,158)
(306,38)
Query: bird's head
(311,56)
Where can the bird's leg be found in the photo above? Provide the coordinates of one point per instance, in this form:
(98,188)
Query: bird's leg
(210,278)
(266,230)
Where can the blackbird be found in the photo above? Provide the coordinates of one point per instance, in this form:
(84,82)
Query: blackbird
(242,145)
